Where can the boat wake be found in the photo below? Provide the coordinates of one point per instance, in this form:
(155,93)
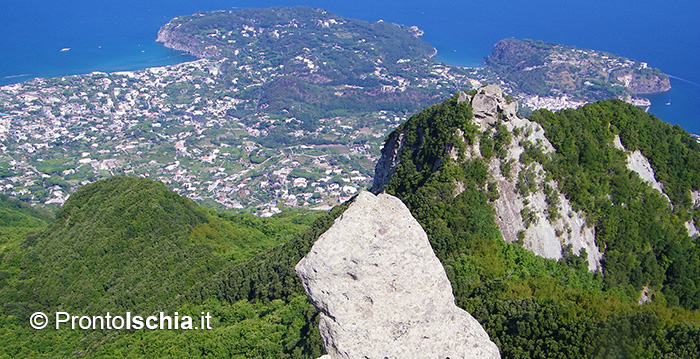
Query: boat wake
(684,80)
(15,76)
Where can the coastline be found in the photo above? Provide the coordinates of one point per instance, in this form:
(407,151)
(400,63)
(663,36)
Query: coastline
(78,62)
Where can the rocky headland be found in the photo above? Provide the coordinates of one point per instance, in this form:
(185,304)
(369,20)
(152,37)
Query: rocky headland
(547,69)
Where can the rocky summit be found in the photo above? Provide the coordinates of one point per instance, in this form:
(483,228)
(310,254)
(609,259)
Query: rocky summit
(381,291)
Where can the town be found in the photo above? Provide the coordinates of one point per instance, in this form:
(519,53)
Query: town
(252,132)
(171,124)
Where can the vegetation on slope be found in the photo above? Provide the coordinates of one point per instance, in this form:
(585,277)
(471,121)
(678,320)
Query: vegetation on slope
(16,220)
(130,244)
(643,235)
(538,308)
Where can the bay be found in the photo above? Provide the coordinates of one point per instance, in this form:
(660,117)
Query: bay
(120,35)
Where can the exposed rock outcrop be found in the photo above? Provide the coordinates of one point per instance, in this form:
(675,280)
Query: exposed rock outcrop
(386,166)
(647,295)
(490,104)
(541,234)
(527,217)
(541,218)
(690,225)
(692,230)
(382,292)
(695,198)
(171,37)
(636,162)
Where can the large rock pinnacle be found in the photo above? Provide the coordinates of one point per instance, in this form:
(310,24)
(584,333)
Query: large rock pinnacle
(381,290)
(490,104)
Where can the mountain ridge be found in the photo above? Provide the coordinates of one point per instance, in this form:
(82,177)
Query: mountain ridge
(533,226)
(457,165)
(523,177)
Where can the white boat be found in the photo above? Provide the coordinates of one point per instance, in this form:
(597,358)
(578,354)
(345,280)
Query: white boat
(65,49)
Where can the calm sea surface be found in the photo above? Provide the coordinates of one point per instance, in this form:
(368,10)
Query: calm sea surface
(120,35)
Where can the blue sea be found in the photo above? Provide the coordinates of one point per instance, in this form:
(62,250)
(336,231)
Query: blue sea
(120,35)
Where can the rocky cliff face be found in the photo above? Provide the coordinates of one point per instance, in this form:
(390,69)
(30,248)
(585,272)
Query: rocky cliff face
(172,37)
(386,166)
(690,225)
(529,208)
(381,291)
(525,214)
(636,162)
(490,105)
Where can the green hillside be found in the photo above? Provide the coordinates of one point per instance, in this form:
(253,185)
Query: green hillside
(645,240)
(17,219)
(538,308)
(130,244)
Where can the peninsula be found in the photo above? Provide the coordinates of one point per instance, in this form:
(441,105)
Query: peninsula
(537,70)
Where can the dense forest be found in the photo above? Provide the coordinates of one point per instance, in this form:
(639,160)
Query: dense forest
(641,248)
(130,244)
